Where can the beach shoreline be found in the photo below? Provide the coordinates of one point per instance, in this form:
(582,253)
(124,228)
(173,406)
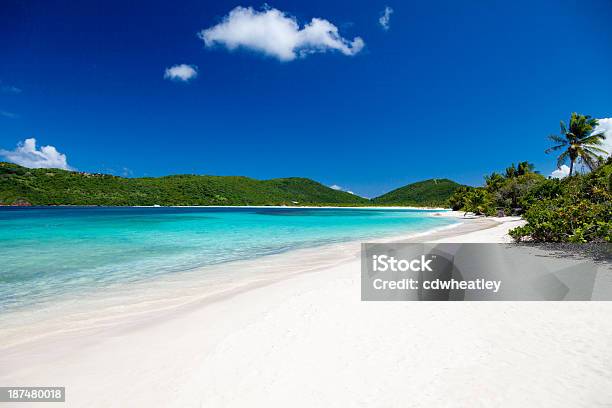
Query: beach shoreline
(193,288)
(348,207)
(286,340)
(167,294)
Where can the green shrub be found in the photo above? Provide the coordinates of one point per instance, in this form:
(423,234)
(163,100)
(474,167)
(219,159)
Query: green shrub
(544,190)
(559,220)
(511,192)
(576,209)
(457,200)
(479,202)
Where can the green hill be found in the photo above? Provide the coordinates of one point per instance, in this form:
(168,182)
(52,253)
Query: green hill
(60,187)
(427,193)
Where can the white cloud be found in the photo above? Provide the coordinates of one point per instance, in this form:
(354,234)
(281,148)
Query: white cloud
(182,72)
(561,172)
(385,17)
(28,155)
(277,34)
(606,126)
(350,192)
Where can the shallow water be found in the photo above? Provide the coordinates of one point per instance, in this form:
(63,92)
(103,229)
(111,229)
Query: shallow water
(47,253)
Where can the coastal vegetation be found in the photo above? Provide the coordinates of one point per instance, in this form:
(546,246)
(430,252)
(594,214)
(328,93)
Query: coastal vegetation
(573,209)
(579,141)
(502,193)
(25,186)
(20,185)
(427,193)
(577,208)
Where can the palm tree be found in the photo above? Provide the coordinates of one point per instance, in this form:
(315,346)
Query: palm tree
(522,169)
(525,168)
(579,142)
(494,181)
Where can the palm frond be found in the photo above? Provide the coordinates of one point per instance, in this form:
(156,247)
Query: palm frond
(587,158)
(554,148)
(558,139)
(589,161)
(562,159)
(592,122)
(595,149)
(595,139)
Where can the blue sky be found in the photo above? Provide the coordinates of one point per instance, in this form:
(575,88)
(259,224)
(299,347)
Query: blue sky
(451,89)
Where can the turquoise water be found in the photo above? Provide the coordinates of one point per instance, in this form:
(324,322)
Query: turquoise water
(48,252)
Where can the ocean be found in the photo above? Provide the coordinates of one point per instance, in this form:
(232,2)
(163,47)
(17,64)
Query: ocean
(53,252)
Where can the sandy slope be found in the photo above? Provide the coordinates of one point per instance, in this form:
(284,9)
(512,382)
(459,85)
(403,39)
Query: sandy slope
(309,341)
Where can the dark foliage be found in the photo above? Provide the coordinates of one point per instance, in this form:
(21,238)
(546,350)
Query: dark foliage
(432,193)
(61,187)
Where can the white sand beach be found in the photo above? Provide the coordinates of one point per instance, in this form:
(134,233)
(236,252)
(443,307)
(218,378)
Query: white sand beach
(304,339)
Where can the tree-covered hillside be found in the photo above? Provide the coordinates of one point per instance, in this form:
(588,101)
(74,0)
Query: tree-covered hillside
(433,193)
(20,185)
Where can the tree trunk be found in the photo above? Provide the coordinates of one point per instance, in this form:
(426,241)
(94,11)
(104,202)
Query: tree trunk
(571,167)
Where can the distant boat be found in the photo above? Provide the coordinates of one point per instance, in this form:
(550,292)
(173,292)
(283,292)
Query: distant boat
(156,205)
